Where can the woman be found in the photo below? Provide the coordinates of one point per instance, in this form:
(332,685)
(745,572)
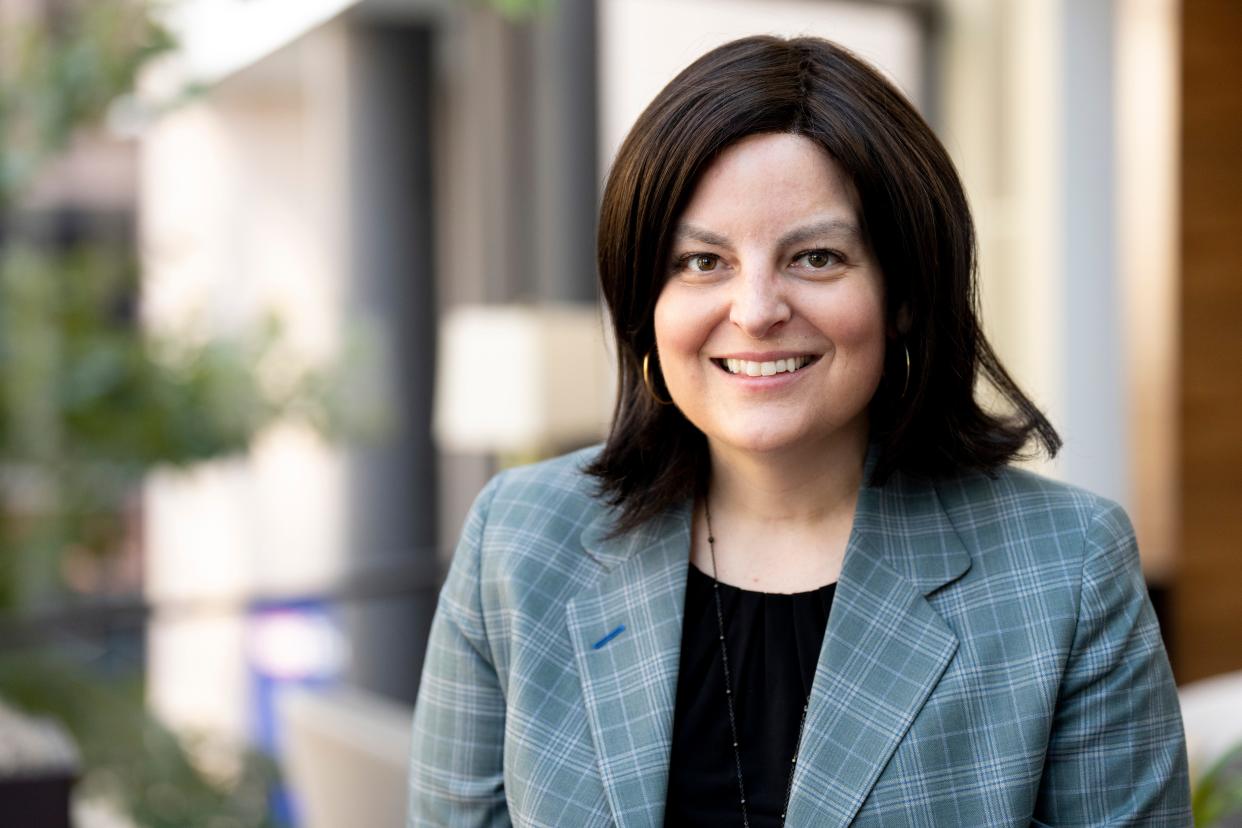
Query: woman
(799,584)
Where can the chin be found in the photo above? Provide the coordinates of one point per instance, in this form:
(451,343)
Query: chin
(769,438)
(764,440)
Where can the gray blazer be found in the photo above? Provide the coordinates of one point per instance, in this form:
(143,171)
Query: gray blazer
(991,658)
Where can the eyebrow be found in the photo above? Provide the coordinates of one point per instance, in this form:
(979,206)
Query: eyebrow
(795,236)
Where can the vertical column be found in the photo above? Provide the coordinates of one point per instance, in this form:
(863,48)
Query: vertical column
(517,176)
(1096,421)
(565,141)
(1147,217)
(392,488)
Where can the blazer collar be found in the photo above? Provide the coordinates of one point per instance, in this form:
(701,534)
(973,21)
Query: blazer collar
(610,551)
(884,650)
(626,633)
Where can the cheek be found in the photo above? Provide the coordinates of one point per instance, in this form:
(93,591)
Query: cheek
(866,328)
(858,334)
(858,324)
(680,328)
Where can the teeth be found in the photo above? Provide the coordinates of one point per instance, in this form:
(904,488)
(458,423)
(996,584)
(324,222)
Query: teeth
(765,369)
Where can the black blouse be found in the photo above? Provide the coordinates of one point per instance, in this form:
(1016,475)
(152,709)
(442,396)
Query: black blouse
(773,642)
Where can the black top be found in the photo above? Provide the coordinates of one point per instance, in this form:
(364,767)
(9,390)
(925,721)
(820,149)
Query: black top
(773,642)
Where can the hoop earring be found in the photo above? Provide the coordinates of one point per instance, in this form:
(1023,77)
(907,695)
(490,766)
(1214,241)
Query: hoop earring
(906,385)
(649,384)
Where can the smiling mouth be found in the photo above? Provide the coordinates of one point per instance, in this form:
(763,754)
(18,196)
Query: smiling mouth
(765,369)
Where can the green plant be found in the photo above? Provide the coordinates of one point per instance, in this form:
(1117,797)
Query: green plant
(129,758)
(1217,796)
(519,10)
(62,72)
(90,402)
(61,67)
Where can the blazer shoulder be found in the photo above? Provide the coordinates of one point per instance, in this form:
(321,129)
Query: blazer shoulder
(559,486)
(1014,494)
(1015,509)
(529,520)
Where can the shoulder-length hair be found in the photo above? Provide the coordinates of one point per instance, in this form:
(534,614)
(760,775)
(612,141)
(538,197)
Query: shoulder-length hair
(916,220)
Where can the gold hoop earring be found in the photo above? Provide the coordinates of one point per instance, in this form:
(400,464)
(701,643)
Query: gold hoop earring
(649,384)
(906,385)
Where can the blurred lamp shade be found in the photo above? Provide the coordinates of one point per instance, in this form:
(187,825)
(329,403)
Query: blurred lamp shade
(516,379)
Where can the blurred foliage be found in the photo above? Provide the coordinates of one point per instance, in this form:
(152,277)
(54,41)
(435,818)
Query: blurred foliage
(129,758)
(82,386)
(521,9)
(61,72)
(1218,794)
(90,402)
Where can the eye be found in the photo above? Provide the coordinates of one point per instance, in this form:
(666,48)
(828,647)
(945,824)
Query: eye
(698,262)
(819,259)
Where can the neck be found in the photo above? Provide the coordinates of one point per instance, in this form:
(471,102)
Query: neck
(806,485)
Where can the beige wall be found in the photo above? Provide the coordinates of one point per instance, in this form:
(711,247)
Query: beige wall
(242,213)
(1005,122)
(644,43)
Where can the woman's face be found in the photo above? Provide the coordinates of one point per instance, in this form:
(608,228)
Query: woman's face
(770,329)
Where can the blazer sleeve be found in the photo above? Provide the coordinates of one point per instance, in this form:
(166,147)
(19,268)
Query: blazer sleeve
(1117,751)
(456,762)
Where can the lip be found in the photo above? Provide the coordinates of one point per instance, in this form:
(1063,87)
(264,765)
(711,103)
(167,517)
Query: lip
(764,356)
(773,381)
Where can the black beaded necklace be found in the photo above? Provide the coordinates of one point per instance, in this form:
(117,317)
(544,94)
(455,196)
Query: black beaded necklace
(724,661)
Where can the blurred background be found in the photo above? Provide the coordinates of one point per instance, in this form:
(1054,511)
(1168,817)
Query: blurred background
(283,282)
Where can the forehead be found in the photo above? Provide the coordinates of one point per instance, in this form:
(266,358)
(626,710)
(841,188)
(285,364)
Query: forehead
(769,180)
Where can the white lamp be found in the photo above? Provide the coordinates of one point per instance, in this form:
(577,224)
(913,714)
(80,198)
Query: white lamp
(522,380)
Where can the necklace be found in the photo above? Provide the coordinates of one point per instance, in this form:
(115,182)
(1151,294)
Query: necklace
(724,661)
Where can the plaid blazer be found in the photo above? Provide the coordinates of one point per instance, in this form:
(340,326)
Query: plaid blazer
(991,659)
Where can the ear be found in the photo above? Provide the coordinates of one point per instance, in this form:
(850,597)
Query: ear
(901,324)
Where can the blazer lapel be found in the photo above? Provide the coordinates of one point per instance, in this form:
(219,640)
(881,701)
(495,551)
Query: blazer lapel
(626,633)
(884,650)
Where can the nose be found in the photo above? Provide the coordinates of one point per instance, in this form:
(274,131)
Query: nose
(759,303)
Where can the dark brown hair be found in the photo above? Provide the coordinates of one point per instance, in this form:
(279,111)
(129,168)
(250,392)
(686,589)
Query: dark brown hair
(915,218)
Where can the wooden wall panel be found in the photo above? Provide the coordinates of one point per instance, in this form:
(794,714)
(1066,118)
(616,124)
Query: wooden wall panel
(1207,597)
